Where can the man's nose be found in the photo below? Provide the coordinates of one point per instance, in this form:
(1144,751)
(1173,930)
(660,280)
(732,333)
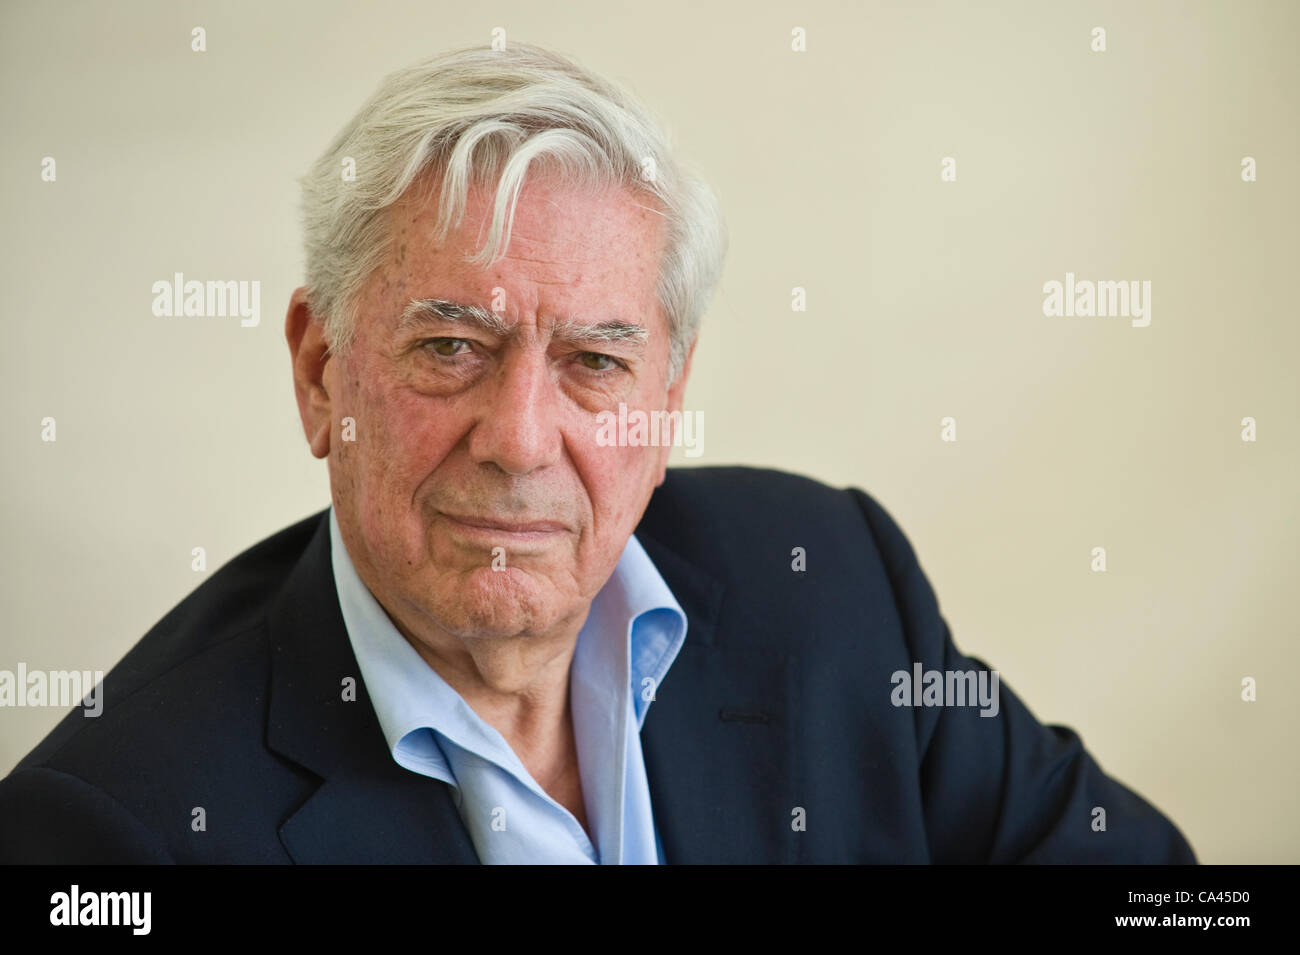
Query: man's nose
(518,427)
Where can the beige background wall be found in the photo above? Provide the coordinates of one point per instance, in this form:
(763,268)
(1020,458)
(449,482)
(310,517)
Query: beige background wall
(924,301)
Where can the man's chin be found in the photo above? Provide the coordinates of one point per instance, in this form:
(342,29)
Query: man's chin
(487,604)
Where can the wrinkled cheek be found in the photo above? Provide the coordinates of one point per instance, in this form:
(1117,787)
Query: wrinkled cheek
(387,497)
(626,476)
(381,485)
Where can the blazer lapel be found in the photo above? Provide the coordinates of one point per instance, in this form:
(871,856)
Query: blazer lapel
(367,809)
(719,739)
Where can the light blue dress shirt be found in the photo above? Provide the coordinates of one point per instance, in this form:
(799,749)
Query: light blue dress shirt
(632,635)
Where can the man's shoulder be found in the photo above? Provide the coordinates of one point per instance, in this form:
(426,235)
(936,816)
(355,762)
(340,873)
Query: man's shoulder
(738,513)
(219,627)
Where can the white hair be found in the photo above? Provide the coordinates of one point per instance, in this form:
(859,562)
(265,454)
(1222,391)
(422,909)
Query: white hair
(477,116)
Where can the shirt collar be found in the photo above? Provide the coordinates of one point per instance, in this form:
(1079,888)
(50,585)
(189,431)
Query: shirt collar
(637,606)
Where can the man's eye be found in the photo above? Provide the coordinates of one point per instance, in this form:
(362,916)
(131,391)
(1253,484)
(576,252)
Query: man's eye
(447,347)
(598,362)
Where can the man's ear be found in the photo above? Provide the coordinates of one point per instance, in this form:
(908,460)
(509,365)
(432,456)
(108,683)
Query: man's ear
(676,393)
(309,350)
(677,390)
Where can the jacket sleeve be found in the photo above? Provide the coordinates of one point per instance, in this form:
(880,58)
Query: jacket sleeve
(1005,788)
(48,817)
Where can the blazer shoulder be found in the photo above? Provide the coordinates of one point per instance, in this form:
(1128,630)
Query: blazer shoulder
(738,512)
(740,485)
(230,604)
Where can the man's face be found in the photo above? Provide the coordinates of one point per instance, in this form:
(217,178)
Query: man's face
(475,499)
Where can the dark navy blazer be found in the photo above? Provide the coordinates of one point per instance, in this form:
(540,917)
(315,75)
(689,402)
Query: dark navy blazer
(773,738)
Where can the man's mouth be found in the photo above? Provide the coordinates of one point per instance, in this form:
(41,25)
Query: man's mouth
(492,525)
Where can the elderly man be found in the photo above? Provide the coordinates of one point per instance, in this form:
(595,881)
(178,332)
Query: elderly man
(511,639)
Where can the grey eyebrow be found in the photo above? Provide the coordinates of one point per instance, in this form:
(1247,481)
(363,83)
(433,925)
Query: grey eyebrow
(601,333)
(417,314)
(420,311)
